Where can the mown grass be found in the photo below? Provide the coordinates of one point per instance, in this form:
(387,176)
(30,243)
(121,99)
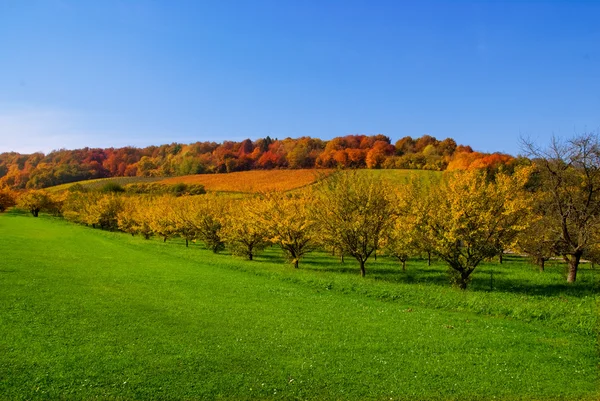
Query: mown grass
(92,314)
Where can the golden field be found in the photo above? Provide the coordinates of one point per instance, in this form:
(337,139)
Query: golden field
(252,181)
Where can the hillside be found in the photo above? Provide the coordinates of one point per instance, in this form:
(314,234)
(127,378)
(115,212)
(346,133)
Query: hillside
(38,170)
(249,181)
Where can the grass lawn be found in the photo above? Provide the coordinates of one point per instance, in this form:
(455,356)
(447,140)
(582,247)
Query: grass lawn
(91,314)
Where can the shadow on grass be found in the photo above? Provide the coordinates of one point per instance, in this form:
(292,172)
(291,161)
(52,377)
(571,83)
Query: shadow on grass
(516,275)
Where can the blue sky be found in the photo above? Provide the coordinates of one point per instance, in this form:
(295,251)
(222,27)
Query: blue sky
(116,73)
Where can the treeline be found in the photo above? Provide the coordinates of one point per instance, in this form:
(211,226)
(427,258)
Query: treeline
(38,170)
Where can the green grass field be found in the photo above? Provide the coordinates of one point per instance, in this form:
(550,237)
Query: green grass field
(92,314)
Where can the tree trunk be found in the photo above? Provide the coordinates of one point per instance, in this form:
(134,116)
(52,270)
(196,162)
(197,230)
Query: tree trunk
(362,268)
(250,255)
(500,256)
(342,258)
(186,242)
(428,258)
(165,239)
(375,255)
(462,282)
(573,265)
(296,263)
(404,265)
(542,264)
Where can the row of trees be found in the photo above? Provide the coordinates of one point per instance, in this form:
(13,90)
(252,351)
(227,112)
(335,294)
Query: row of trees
(349,213)
(353,151)
(549,208)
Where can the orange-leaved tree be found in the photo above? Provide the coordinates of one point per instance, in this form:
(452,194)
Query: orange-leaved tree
(7,199)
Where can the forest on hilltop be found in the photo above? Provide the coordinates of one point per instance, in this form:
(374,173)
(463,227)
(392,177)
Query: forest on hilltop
(39,170)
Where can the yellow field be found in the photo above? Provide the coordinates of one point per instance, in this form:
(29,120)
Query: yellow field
(252,181)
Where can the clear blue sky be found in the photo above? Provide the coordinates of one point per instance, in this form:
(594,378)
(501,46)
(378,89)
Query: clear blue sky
(77,73)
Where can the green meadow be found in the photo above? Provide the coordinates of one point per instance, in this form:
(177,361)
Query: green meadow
(91,314)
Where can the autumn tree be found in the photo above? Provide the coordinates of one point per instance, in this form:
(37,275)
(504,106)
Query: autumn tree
(405,237)
(413,205)
(134,217)
(34,201)
(471,215)
(289,224)
(353,213)
(162,217)
(569,194)
(244,234)
(537,240)
(104,210)
(205,216)
(7,199)
(400,242)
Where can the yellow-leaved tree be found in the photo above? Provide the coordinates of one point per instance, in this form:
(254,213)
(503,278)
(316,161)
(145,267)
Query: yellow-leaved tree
(407,236)
(34,201)
(205,216)
(103,211)
(184,214)
(134,217)
(471,215)
(289,223)
(538,239)
(244,234)
(161,217)
(354,213)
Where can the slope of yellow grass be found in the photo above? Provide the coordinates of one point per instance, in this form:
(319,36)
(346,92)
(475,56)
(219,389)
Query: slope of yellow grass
(252,181)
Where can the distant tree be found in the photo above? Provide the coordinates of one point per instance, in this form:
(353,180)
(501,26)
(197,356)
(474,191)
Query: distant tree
(7,199)
(405,145)
(569,194)
(424,141)
(353,214)
(447,147)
